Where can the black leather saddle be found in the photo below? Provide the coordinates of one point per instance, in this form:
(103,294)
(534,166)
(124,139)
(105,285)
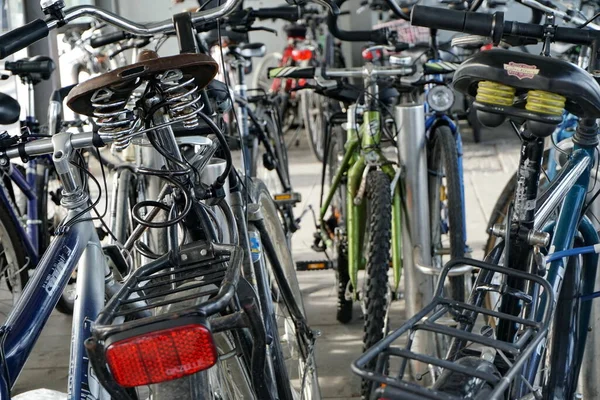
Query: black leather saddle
(532,72)
(10,110)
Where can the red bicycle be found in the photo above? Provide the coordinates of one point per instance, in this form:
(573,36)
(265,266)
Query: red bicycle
(307,44)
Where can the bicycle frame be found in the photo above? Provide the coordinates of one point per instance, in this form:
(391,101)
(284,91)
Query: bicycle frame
(362,153)
(79,248)
(568,191)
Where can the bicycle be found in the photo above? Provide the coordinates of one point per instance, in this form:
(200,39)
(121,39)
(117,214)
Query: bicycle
(31,192)
(199,289)
(508,348)
(259,114)
(366,196)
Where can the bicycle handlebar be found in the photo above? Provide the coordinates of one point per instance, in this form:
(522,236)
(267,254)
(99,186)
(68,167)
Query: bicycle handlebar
(547,7)
(26,35)
(44,146)
(494,26)
(311,72)
(287,13)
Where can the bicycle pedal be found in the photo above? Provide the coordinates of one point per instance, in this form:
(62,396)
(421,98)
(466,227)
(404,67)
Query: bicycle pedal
(313,265)
(287,198)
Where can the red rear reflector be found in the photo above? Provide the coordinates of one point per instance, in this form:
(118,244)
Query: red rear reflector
(301,55)
(161,355)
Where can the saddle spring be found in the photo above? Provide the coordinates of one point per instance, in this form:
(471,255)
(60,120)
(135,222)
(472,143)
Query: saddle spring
(114,120)
(182,97)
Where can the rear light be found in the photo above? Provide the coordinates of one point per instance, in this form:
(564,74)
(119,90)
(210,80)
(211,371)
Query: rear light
(161,356)
(301,82)
(487,47)
(372,54)
(301,55)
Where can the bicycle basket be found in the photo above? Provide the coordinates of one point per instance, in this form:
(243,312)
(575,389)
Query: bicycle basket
(159,326)
(405,31)
(475,355)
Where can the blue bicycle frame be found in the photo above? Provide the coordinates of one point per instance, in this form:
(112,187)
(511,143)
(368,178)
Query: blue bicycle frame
(568,192)
(434,119)
(27,319)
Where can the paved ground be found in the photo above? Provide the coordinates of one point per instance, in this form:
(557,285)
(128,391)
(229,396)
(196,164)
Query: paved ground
(487,168)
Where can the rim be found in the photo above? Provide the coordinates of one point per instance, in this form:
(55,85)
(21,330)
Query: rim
(9,267)
(313,119)
(261,80)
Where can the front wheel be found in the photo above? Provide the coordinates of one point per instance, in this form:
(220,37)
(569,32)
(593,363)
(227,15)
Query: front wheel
(379,234)
(312,109)
(14,262)
(446,206)
(292,357)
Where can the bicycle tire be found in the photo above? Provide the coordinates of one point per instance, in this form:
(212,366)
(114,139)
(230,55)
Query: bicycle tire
(474,122)
(261,71)
(314,126)
(261,196)
(10,233)
(443,163)
(506,197)
(338,205)
(379,210)
(500,211)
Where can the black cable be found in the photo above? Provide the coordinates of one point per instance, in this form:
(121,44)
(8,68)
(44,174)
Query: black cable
(590,202)
(101,217)
(226,150)
(586,23)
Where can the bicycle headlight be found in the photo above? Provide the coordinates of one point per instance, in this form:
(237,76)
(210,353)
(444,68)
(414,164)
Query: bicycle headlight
(440,98)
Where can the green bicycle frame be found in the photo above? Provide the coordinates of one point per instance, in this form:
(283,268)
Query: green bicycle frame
(362,152)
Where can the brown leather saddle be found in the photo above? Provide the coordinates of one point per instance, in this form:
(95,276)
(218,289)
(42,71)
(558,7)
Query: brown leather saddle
(123,81)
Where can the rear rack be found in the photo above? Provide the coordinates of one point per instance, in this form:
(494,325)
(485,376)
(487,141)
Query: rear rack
(391,358)
(198,282)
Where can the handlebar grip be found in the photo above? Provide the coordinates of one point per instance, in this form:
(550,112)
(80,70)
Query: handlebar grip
(398,47)
(24,67)
(286,13)
(489,25)
(109,38)
(21,37)
(291,72)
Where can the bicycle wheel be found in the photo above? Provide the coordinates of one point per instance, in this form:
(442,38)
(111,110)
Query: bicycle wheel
(500,211)
(265,168)
(379,234)
(292,356)
(260,80)
(311,105)
(507,195)
(14,263)
(446,206)
(336,221)
(474,122)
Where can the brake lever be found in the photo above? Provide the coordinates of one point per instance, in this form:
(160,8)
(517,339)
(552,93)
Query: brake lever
(117,52)
(329,4)
(258,28)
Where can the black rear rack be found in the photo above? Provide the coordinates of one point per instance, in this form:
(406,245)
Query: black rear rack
(199,281)
(391,357)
